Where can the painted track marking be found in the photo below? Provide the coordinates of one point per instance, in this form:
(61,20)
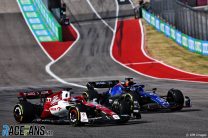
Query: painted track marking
(98,15)
(48,66)
(140,63)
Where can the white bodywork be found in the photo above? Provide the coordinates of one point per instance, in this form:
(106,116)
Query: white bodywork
(59,109)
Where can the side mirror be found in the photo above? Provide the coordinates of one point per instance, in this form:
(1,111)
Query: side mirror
(70,94)
(154,90)
(142,86)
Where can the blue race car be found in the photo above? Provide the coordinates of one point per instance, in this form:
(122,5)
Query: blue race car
(114,97)
(148,100)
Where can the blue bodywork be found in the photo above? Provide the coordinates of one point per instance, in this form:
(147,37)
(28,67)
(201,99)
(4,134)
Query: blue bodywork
(119,89)
(116,90)
(156,98)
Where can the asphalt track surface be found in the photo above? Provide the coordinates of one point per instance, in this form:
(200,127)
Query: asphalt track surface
(23,64)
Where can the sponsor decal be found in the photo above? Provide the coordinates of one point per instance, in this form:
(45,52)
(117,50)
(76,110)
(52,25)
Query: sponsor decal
(55,108)
(41,32)
(31,14)
(148,17)
(198,46)
(45,38)
(178,37)
(185,41)
(191,44)
(136,111)
(83,117)
(34,21)
(205,48)
(173,33)
(25,2)
(55,99)
(116,117)
(157,24)
(188,42)
(153,20)
(162,27)
(28,8)
(167,30)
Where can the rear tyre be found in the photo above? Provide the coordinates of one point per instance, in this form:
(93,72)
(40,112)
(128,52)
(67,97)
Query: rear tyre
(24,112)
(175,96)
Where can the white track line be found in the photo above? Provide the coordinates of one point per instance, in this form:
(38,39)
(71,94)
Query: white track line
(140,63)
(132,4)
(47,68)
(98,15)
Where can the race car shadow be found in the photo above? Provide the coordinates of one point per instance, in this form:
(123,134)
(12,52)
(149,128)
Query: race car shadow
(132,122)
(169,111)
(190,110)
(98,124)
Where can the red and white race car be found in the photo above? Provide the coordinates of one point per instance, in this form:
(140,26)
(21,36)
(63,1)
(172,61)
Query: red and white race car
(60,106)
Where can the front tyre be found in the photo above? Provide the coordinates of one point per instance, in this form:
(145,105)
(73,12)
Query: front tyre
(74,117)
(24,112)
(135,107)
(125,107)
(176,97)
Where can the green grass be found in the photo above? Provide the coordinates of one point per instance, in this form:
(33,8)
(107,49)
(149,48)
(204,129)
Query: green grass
(164,49)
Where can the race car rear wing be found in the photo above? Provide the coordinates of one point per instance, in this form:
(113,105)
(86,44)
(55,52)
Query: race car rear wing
(36,93)
(102,84)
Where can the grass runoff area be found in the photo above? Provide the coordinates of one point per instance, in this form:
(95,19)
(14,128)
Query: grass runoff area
(164,49)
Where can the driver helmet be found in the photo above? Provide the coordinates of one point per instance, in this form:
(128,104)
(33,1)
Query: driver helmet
(129,82)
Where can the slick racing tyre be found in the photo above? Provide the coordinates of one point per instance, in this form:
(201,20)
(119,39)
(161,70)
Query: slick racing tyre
(74,117)
(175,96)
(24,112)
(135,107)
(124,109)
(125,106)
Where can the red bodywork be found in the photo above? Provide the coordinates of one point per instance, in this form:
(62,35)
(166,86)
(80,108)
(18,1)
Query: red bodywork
(52,99)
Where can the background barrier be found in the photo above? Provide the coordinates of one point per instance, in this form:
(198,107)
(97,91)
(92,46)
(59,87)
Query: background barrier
(40,20)
(51,21)
(186,15)
(170,31)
